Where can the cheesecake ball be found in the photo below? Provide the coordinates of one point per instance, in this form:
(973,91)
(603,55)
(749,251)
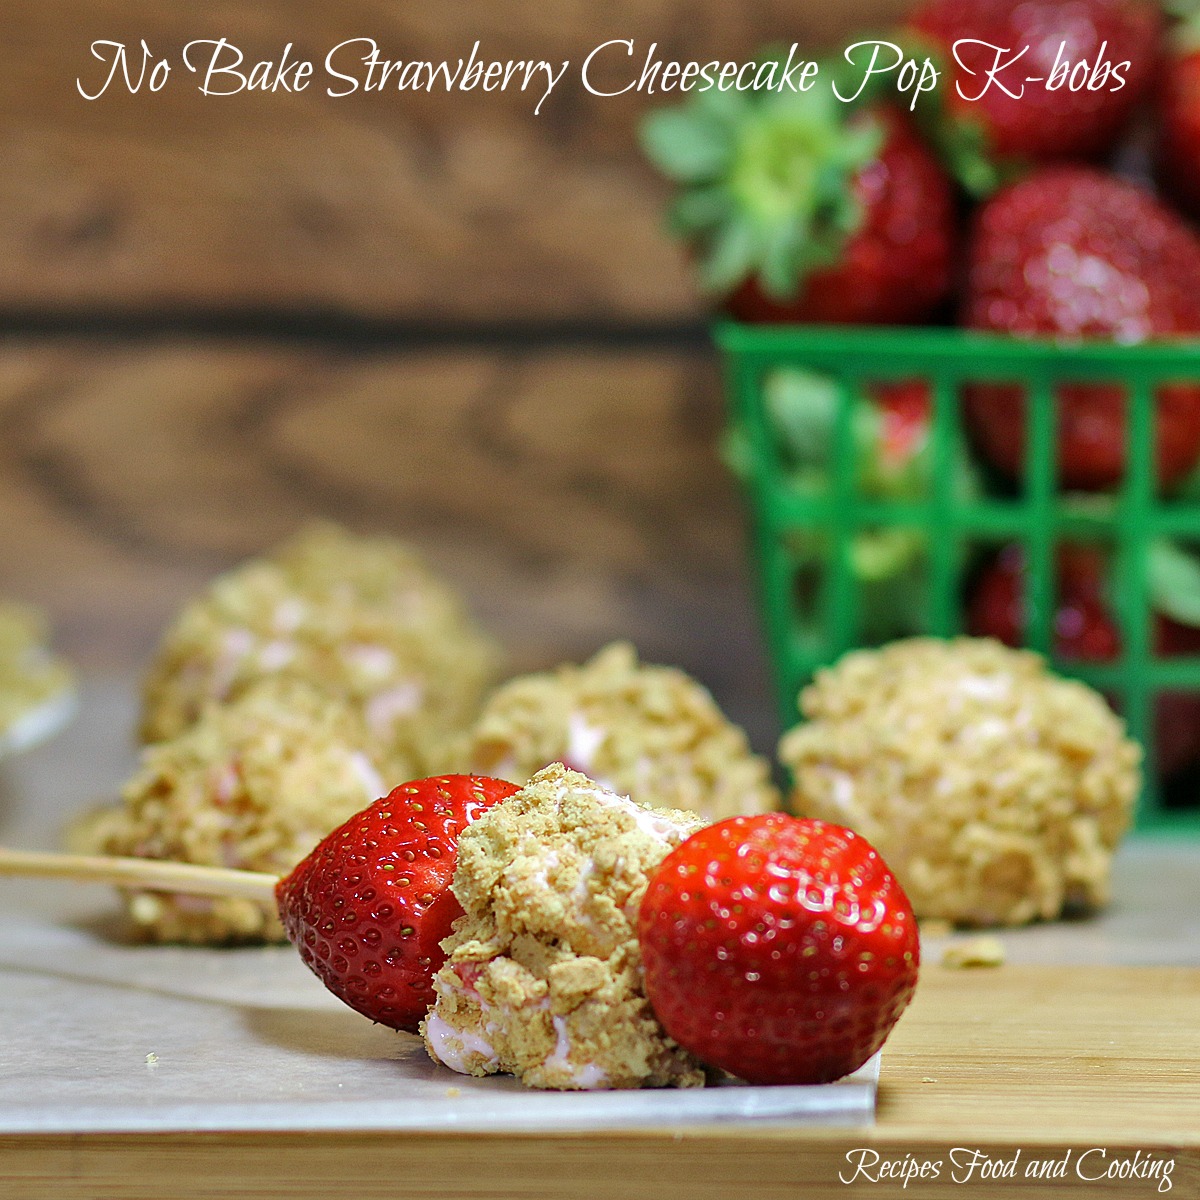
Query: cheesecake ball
(996,791)
(543,979)
(358,618)
(253,784)
(37,689)
(649,732)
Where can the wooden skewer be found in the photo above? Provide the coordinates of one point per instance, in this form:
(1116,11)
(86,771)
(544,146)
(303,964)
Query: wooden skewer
(147,873)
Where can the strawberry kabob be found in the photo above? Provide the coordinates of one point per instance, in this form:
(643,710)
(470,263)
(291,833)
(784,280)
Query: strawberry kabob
(780,950)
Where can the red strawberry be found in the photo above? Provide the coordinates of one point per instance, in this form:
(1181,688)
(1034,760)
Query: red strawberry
(1076,254)
(781,950)
(905,410)
(1026,119)
(895,268)
(1179,118)
(1085,631)
(368,907)
(800,208)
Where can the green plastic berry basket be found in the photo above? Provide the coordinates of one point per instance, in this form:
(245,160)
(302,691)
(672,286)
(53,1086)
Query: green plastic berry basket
(811,622)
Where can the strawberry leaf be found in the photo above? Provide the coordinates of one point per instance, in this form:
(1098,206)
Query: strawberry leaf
(782,258)
(1174,582)
(700,210)
(1185,37)
(1181,8)
(879,555)
(891,566)
(767,182)
(802,408)
(731,256)
(685,145)
(961,141)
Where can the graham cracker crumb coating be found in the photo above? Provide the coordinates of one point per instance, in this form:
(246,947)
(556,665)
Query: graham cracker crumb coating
(649,732)
(254,784)
(544,977)
(996,791)
(360,618)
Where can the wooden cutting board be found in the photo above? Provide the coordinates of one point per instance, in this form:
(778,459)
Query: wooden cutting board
(1068,1071)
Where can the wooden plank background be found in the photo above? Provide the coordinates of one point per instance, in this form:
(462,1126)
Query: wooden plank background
(390,206)
(503,356)
(573,492)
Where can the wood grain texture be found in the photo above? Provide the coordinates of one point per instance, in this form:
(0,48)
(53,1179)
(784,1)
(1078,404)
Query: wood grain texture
(1030,1055)
(574,494)
(399,207)
(1043,1061)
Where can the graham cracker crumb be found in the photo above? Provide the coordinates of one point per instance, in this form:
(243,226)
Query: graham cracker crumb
(362,619)
(649,732)
(544,973)
(996,791)
(978,952)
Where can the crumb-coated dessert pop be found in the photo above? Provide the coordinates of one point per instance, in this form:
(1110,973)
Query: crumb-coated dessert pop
(566,935)
(253,784)
(361,618)
(996,791)
(544,975)
(649,732)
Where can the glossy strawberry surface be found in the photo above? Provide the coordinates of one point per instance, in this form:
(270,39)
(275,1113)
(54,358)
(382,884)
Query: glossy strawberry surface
(1076,255)
(368,907)
(778,949)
